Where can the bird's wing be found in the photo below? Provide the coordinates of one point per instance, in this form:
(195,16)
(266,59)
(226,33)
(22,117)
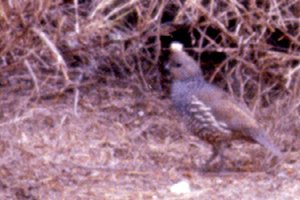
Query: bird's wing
(224,114)
(202,112)
(222,108)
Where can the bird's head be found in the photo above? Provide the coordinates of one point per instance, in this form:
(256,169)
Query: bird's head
(181,65)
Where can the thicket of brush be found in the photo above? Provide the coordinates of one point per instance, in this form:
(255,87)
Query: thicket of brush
(48,45)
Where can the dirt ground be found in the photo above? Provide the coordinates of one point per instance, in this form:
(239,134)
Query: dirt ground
(126,148)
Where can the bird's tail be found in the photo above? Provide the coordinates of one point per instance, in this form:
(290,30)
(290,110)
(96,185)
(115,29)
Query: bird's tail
(261,137)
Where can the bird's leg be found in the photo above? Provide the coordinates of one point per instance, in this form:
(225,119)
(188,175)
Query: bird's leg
(215,153)
(218,150)
(221,153)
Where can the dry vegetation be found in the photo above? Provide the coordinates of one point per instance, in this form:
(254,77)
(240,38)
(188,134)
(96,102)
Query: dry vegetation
(84,107)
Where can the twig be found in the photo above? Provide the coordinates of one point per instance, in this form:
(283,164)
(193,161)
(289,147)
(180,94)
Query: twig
(76,100)
(289,75)
(33,76)
(77,28)
(60,61)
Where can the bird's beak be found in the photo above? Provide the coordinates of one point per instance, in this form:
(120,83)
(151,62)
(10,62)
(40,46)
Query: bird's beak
(167,66)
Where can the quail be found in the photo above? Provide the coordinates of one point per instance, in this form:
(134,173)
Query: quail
(211,113)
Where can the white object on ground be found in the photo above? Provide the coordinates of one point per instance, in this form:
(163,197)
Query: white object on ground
(182,187)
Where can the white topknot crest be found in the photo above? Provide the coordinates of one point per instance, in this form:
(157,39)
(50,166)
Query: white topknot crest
(176,46)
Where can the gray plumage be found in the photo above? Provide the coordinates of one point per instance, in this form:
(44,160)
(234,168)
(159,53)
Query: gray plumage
(210,112)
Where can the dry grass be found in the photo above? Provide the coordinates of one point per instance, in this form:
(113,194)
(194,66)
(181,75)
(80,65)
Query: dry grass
(84,108)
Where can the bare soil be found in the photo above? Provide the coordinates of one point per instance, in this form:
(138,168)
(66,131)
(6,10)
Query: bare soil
(126,148)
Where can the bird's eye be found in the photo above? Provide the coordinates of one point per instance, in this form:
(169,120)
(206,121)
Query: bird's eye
(177,65)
